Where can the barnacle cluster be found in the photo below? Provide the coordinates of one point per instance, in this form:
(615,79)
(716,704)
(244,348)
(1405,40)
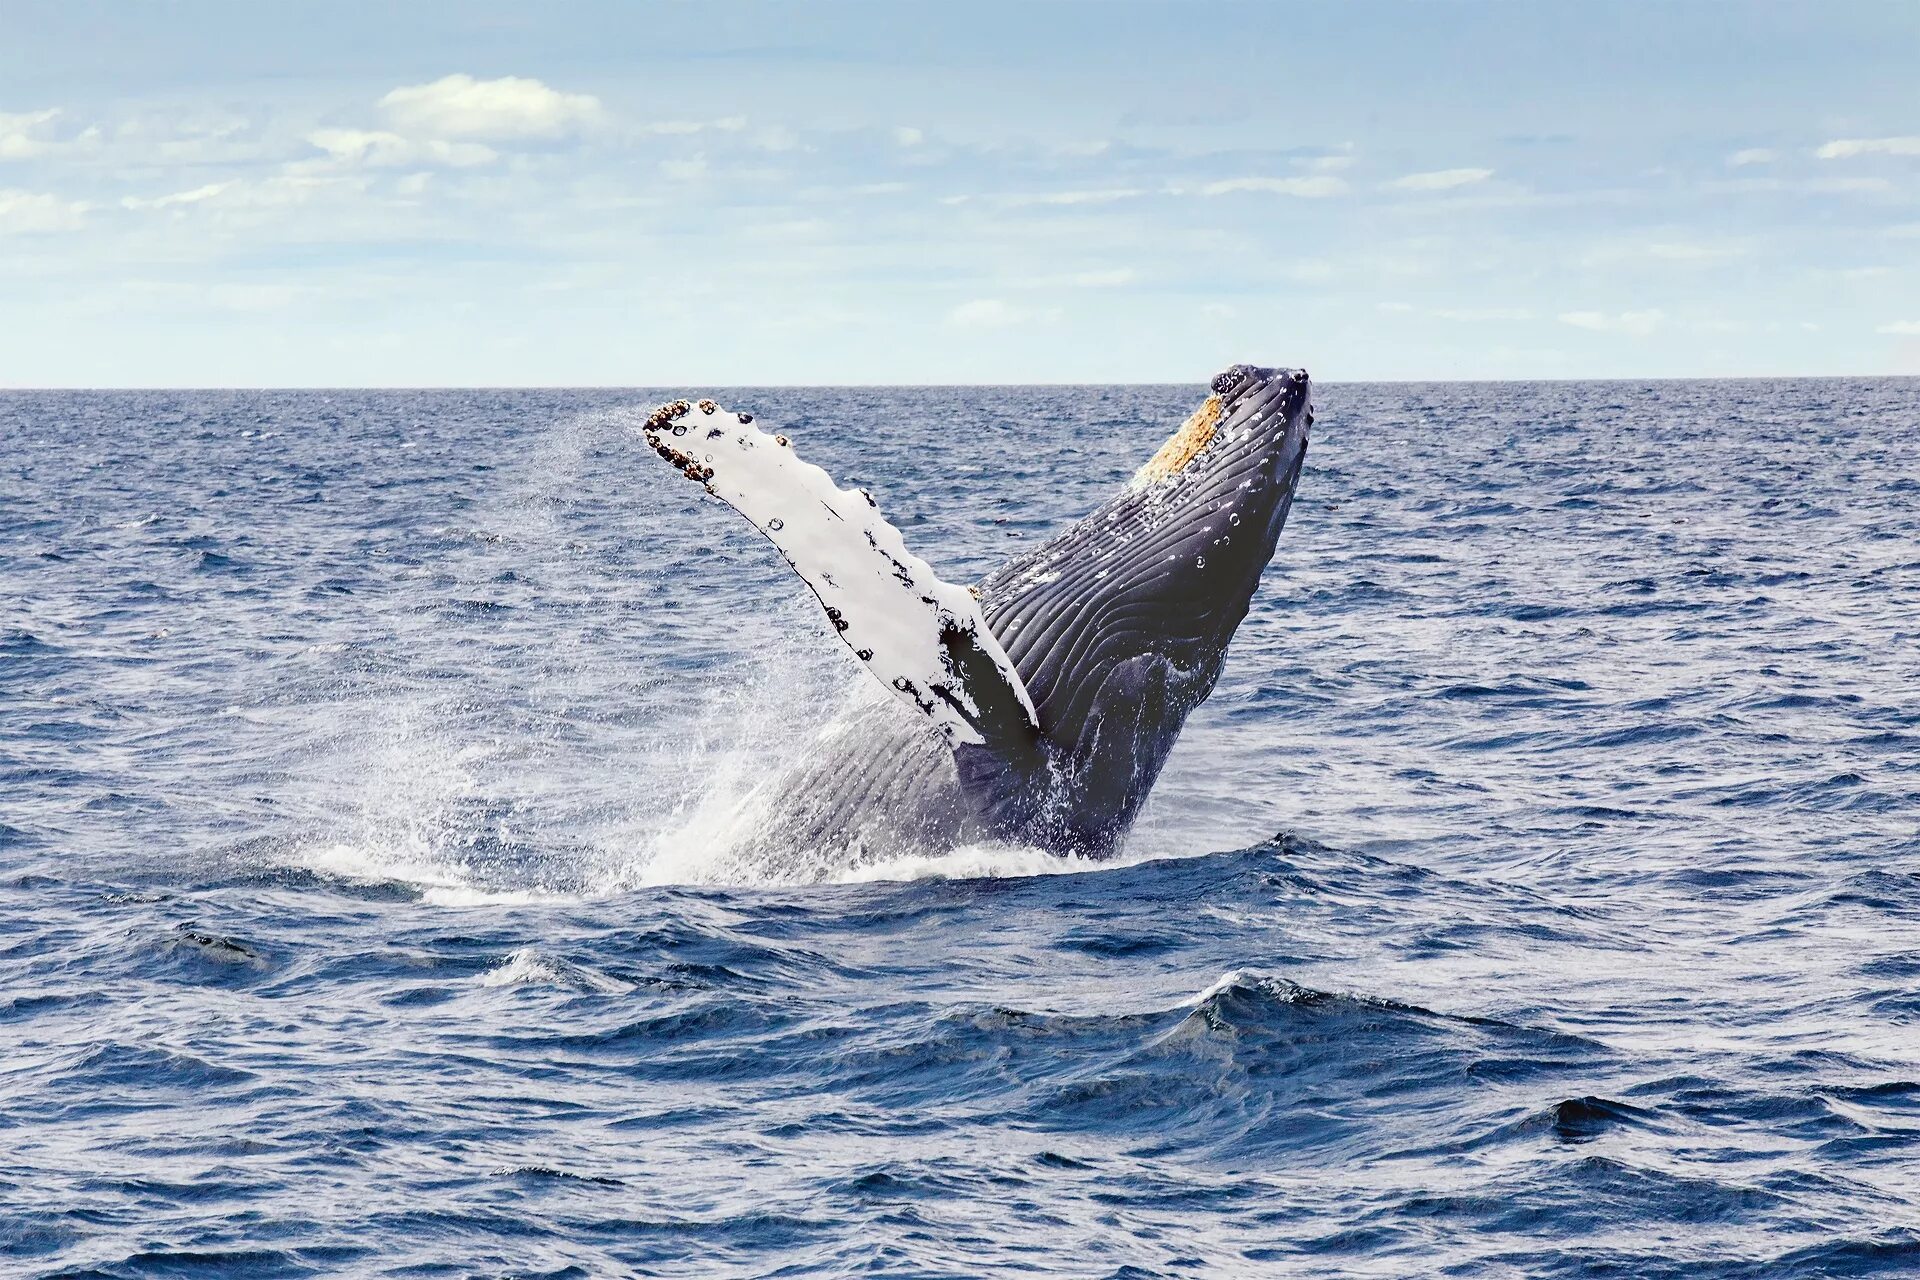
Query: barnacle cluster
(1186,443)
(665,421)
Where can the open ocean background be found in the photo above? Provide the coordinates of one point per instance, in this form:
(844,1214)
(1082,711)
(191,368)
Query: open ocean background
(1538,895)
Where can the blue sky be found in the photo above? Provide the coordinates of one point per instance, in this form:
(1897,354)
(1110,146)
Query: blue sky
(303,194)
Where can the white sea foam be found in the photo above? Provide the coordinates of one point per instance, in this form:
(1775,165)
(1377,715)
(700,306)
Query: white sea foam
(988,862)
(524,785)
(527,966)
(440,879)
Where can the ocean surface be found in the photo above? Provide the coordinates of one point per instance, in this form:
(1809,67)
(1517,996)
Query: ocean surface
(1538,895)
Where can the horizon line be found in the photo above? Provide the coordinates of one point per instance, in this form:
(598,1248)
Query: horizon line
(807,386)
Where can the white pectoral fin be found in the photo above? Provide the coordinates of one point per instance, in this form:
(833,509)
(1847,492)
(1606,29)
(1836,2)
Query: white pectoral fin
(923,638)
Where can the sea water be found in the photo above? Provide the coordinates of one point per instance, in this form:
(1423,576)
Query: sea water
(1538,894)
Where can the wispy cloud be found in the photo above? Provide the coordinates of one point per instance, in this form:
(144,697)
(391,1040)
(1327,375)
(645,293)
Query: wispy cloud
(1317,187)
(198,194)
(1672,252)
(1847,148)
(1901,328)
(25,134)
(1636,323)
(996,313)
(459,106)
(1693,251)
(1480,315)
(380,148)
(1440,179)
(34,212)
(686,128)
(1753,155)
(1459,315)
(1105,196)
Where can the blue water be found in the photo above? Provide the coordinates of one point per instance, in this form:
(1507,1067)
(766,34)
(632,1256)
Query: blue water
(1538,895)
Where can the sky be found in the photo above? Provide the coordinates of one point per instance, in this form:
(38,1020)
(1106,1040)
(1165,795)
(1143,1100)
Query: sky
(625,194)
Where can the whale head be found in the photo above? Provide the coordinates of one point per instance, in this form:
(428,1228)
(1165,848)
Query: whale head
(1120,625)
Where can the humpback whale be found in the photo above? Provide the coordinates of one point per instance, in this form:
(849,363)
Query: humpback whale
(1042,702)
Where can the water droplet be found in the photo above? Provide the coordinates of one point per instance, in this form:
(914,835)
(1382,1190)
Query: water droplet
(776,524)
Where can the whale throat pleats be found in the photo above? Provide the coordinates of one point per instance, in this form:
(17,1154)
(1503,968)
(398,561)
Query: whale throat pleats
(921,637)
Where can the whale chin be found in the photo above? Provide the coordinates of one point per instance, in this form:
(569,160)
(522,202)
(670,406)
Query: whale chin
(1039,706)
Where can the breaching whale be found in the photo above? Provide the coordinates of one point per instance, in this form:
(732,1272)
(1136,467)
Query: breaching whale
(1043,701)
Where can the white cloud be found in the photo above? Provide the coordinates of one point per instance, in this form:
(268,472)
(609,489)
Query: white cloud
(1327,164)
(686,128)
(777,138)
(253,297)
(194,196)
(689,170)
(32,212)
(379,148)
(1683,251)
(907,136)
(1457,315)
(1313,188)
(459,106)
(1077,197)
(1441,179)
(1637,323)
(1847,148)
(1480,315)
(1111,279)
(993,313)
(1901,328)
(1753,155)
(22,134)
(1675,252)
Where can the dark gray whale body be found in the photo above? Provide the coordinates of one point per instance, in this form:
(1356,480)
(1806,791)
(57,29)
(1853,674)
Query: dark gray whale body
(1117,629)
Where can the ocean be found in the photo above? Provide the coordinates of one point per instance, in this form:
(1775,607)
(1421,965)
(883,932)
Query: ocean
(1538,895)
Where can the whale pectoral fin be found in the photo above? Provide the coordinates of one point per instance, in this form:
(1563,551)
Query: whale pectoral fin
(923,638)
